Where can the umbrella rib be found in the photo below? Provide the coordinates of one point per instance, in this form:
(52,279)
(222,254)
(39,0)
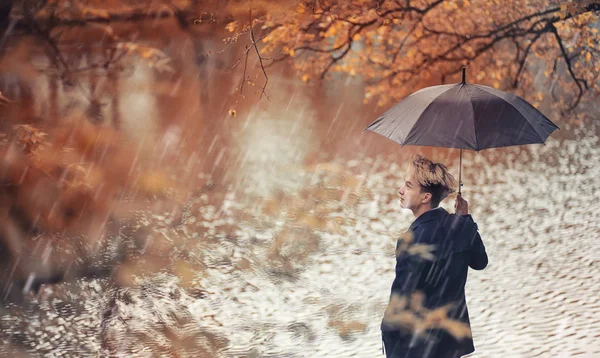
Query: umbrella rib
(474,119)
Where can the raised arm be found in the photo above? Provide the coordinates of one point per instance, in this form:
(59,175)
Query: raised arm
(478,259)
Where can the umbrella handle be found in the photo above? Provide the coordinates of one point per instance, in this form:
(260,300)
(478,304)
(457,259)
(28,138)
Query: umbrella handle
(460,173)
(464,80)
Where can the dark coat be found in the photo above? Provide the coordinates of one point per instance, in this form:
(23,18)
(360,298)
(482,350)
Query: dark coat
(457,246)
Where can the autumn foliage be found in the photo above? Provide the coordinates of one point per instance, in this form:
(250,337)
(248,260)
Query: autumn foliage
(400,46)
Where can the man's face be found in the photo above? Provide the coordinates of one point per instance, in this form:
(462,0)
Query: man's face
(410,193)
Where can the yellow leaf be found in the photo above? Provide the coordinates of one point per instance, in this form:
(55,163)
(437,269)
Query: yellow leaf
(185,272)
(152,182)
(588,56)
(305,78)
(311,221)
(99,13)
(146,52)
(423,251)
(231,26)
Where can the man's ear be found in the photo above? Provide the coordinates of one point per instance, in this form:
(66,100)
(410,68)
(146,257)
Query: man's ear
(426,198)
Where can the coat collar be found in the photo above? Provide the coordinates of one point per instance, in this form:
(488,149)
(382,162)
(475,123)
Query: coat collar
(428,216)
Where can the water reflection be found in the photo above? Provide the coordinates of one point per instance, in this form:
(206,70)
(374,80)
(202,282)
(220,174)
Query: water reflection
(138,106)
(271,145)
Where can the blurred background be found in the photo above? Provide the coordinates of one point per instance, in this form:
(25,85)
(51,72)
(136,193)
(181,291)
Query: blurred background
(192,178)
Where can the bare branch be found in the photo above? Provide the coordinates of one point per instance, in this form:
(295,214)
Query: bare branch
(336,59)
(245,54)
(275,60)
(578,81)
(260,59)
(245,68)
(524,58)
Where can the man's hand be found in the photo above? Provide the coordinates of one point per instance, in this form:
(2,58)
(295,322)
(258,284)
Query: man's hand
(461,206)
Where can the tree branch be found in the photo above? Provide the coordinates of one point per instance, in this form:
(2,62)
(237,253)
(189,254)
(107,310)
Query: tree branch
(524,58)
(336,59)
(578,81)
(260,59)
(358,27)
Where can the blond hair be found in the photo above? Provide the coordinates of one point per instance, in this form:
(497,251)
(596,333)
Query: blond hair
(433,178)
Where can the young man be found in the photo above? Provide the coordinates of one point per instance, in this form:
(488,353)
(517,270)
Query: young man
(427,315)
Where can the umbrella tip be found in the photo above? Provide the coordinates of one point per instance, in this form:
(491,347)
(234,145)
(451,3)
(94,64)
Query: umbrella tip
(464,74)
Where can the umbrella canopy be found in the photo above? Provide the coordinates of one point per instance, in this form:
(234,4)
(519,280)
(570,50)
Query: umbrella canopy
(464,116)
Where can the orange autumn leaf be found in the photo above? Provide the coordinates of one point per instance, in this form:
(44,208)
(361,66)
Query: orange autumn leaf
(152,182)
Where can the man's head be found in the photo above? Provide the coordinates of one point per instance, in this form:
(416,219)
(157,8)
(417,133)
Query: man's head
(426,184)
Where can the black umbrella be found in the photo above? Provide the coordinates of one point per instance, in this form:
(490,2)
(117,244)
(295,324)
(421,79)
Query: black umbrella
(464,116)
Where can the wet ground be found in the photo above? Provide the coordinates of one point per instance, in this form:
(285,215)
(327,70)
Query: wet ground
(325,295)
